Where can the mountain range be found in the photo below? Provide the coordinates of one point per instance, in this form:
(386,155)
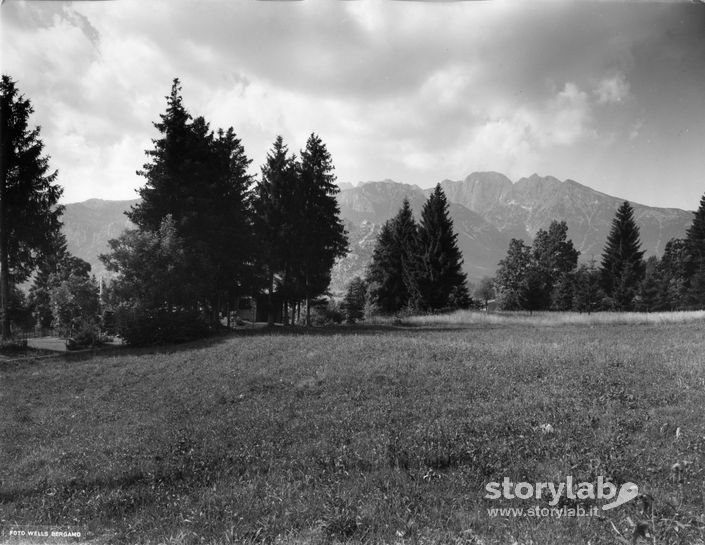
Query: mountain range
(487,209)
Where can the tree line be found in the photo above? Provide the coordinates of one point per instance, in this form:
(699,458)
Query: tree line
(206,231)
(546,274)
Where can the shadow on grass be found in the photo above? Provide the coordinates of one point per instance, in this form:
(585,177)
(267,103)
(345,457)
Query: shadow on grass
(259,331)
(348,329)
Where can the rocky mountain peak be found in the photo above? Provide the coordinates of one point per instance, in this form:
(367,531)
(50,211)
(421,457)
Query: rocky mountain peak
(486,207)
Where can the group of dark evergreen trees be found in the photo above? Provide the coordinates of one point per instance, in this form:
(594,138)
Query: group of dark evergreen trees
(415,267)
(546,276)
(208,233)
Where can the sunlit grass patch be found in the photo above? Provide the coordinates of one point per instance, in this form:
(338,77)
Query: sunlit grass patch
(466,317)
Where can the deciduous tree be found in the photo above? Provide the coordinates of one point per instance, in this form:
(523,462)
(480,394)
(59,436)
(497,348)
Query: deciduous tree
(485,291)
(55,267)
(588,294)
(554,258)
(511,278)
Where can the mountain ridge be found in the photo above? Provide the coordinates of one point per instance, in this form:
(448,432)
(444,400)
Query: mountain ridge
(487,209)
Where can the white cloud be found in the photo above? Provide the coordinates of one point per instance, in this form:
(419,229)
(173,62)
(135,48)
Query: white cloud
(566,119)
(612,90)
(412,91)
(635,130)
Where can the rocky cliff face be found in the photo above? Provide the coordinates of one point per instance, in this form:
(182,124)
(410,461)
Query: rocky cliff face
(530,204)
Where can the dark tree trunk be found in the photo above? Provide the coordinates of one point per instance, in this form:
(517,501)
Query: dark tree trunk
(308,304)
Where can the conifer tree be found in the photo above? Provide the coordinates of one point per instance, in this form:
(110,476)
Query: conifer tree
(391,273)
(322,233)
(649,292)
(695,265)
(622,260)
(354,301)
(672,275)
(277,206)
(200,180)
(407,240)
(385,283)
(29,210)
(441,280)
(227,230)
(170,169)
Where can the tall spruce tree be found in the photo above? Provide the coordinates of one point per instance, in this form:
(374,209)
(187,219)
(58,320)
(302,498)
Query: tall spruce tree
(200,181)
(695,264)
(227,231)
(649,295)
(622,260)
(277,206)
(384,279)
(406,235)
(672,273)
(322,233)
(391,274)
(441,280)
(170,170)
(29,213)
(695,239)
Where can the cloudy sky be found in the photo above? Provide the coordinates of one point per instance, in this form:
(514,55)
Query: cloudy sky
(611,94)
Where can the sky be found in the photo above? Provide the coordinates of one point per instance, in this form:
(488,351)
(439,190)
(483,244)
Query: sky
(610,94)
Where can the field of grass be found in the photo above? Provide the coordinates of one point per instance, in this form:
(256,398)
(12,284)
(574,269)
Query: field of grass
(369,434)
(467,317)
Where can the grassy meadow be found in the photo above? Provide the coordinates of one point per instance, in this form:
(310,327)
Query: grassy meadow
(363,434)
